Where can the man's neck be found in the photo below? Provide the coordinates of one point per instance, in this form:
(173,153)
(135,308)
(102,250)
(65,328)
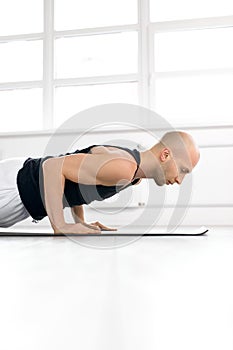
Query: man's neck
(149,165)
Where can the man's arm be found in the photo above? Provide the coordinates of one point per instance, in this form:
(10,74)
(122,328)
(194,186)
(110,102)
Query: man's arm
(78,213)
(82,168)
(54,182)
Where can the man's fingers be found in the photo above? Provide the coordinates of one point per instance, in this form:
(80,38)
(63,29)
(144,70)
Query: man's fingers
(103,227)
(94,227)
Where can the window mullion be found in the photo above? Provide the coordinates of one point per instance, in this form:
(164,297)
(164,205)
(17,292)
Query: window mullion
(48,65)
(143,53)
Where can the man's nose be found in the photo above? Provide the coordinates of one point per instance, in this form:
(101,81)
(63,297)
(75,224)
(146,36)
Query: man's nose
(179,179)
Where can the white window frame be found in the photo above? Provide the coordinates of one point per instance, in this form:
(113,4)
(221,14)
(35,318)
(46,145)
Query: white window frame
(183,25)
(49,35)
(145,77)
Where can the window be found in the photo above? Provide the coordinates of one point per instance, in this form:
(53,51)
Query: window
(108,58)
(193,50)
(21,109)
(59,57)
(76,14)
(168,10)
(193,76)
(21,61)
(195,100)
(71,100)
(95,55)
(21,17)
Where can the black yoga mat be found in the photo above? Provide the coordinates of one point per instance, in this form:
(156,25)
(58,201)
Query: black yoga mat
(197,232)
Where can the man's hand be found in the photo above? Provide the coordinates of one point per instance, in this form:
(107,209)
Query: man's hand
(76,228)
(78,215)
(102,227)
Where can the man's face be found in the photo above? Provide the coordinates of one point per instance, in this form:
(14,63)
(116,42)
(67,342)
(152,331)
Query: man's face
(173,168)
(175,171)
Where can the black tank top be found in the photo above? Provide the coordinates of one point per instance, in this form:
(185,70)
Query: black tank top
(30,176)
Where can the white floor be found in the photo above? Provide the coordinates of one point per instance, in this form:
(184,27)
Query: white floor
(92,293)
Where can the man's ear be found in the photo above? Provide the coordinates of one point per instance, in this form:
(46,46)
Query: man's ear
(165,153)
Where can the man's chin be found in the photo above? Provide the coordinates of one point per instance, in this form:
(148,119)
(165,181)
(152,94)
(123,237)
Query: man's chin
(159,182)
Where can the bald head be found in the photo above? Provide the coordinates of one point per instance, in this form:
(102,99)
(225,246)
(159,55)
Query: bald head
(169,160)
(182,145)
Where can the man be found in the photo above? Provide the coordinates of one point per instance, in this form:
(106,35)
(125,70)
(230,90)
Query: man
(46,185)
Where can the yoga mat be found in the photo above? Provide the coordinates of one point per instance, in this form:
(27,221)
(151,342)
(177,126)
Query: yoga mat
(43,232)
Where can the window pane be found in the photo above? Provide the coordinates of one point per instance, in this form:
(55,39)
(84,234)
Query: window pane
(195,100)
(21,17)
(74,14)
(96,55)
(71,100)
(21,61)
(165,10)
(195,49)
(21,110)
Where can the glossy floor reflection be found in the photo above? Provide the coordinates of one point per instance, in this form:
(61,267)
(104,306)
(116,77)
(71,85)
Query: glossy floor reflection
(152,293)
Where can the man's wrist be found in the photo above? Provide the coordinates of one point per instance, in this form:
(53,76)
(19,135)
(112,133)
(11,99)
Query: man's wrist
(58,225)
